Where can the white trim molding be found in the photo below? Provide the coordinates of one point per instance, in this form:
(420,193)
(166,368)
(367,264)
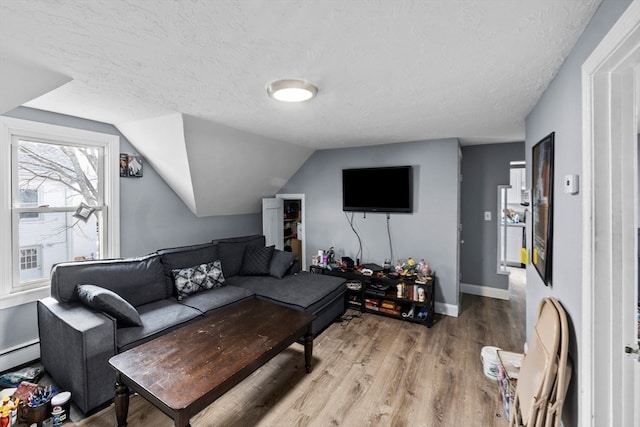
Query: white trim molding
(10,128)
(18,355)
(447,309)
(484,291)
(608,395)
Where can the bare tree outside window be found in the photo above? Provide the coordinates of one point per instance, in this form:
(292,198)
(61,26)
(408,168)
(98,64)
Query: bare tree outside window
(63,177)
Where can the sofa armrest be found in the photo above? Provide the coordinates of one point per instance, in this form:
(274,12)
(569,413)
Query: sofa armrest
(75,346)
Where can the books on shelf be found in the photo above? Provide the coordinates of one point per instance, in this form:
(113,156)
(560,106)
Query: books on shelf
(372,303)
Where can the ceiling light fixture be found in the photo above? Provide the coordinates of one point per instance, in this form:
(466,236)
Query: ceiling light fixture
(291,90)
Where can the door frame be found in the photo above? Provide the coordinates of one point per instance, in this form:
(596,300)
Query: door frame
(303,235)
(609,197)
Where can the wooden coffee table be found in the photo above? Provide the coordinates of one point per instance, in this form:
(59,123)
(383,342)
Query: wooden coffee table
(184,371)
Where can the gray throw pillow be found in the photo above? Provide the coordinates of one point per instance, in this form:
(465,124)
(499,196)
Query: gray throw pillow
(109,302)
(256,261)
(280,263)
(198,278)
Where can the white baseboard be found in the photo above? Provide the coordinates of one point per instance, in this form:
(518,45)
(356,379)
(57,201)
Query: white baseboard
(19,355)
(484,291)
(447,309)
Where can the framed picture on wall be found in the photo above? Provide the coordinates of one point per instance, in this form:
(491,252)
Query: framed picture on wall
(130,165)
(542,207)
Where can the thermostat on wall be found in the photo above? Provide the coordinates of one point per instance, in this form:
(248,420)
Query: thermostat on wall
(571,184)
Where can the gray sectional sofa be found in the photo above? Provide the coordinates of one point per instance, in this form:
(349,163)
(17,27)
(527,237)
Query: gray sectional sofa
(100,308)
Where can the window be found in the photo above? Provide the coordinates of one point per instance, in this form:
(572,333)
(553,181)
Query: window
(28,258)
(28,197)
(62,204)
(29,263)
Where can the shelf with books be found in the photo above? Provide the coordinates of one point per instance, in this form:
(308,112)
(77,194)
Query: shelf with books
(400,297)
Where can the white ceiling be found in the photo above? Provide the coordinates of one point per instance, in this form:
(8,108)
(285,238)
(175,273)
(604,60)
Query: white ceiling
(387,71)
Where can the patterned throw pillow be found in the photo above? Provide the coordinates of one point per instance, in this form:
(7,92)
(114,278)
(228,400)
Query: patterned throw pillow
(256,261)
(198,278)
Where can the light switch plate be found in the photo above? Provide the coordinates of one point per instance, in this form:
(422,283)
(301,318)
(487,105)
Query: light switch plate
(487,215)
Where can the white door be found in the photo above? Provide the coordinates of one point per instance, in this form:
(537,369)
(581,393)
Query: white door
(609,378)
(272,225)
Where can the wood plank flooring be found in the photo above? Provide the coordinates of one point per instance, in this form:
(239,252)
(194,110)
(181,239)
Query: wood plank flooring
(370,371)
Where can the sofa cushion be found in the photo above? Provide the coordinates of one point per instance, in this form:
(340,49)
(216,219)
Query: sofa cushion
(198,278)
(185,256)
(109,302)
(281,262)
(256,261)
(137,280)
(303,291)
(214,299)
(231,252)
(158,318)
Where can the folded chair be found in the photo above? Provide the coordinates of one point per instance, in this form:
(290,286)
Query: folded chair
(563,377)
(539,368)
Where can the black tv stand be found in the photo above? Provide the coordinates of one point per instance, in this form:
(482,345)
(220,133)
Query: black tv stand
(379,295)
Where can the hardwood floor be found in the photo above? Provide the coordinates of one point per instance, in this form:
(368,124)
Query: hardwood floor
(371,371)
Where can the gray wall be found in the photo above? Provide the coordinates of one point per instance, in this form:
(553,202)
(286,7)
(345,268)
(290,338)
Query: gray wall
(429,233)
(559,110)
(484,167)
(152,216)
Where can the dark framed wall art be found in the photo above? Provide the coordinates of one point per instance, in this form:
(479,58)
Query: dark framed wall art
(130,165)
(542,207)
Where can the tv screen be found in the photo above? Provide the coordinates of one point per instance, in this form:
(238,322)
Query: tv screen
(384,189)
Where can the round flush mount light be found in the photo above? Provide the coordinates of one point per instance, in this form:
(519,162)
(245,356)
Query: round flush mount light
(291,90)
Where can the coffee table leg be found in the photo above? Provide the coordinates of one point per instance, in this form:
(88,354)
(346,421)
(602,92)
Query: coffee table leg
(308,349)
(121,403)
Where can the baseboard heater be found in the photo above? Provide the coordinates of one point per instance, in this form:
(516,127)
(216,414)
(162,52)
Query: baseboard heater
(19,355)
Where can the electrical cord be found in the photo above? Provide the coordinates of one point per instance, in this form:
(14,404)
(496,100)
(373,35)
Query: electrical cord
(359,254)
(389,234)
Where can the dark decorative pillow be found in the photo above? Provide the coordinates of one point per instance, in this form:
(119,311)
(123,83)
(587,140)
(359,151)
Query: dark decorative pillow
(280,263)
(109,302)
(198,278)
(257,261)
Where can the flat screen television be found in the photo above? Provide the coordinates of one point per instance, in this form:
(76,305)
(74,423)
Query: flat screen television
(383,189)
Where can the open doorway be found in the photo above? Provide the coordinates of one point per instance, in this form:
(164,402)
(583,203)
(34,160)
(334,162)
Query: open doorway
(513,213)
(283,220)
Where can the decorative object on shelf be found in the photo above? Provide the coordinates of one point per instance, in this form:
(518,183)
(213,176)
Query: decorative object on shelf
(354,285)
(421,294)
(331,255)
(542,207)
(409,267)
(409,314)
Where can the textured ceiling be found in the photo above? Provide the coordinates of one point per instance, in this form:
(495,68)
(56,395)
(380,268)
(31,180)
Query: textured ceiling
(387,71)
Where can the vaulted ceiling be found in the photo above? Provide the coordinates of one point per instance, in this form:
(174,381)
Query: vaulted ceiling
(387,71)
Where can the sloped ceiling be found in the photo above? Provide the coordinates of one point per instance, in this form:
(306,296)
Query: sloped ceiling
(387,71)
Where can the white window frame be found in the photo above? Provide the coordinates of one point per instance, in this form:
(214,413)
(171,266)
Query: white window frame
(10,293)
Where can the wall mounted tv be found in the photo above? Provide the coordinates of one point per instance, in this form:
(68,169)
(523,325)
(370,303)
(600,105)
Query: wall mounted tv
(383,189)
